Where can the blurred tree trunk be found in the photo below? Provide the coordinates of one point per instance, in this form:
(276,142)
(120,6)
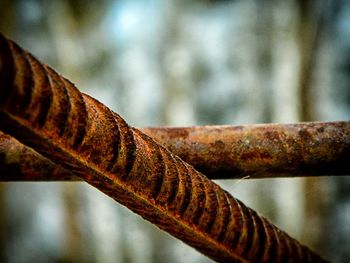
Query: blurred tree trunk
(175,68)
(3,219)
(7,8)
(73,245)
(288,194)
(174,93)
(310,38)
(62,32)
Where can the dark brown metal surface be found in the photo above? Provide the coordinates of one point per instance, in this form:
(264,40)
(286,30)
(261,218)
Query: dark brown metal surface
(21,163)
(46,112)
(265,150)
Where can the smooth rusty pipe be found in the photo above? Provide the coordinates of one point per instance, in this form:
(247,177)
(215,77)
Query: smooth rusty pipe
(45,111)
(21,163)
(262,150)
(220,152)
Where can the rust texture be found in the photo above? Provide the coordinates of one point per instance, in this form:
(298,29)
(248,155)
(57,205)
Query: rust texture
(265,150)
(21,163)
(46,112)
(219,152)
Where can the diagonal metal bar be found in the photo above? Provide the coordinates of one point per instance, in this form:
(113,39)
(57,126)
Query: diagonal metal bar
(45,111)
(219,152)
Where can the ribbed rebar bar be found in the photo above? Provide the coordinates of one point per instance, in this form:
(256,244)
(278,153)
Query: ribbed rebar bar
(46,112)
(219,152)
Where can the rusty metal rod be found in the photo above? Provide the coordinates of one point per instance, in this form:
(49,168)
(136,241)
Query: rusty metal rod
(21,163)
(47,112)
(262,150)
(219,152)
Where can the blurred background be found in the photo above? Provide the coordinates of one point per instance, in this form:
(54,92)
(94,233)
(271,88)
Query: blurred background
(181,63)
